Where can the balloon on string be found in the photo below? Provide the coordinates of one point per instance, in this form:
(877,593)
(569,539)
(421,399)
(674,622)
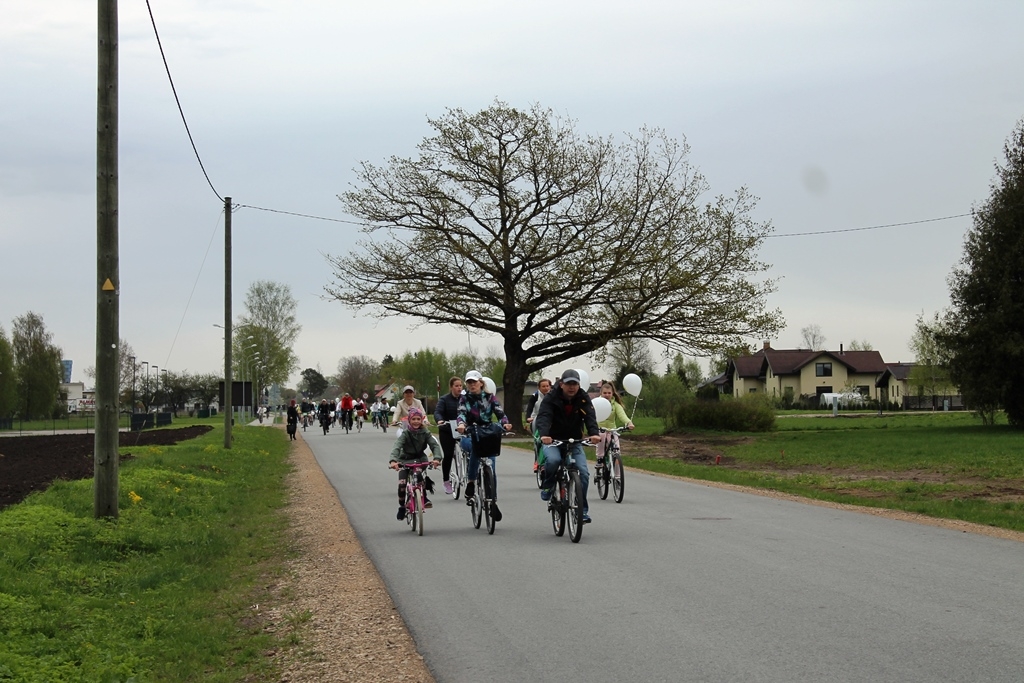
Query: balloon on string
(632,384)
(602,408)
(489,385)
(584,379)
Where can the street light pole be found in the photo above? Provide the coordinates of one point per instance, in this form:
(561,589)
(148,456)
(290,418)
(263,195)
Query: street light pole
(133,385)
(146,392)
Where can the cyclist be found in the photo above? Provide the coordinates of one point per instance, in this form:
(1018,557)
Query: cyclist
(477,407)
(324,413)
(564,414)
(385,413)
(543,387)
(407,403)
(409,447)
(618,418)
(345,406)
(447,410)
(360,410)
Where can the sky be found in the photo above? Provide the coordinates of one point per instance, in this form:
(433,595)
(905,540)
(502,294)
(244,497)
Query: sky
(838,115)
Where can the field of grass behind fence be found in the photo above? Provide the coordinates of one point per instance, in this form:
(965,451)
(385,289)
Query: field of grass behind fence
(945,465)
(165,592)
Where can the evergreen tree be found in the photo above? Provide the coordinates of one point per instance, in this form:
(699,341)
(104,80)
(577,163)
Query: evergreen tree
(985,326)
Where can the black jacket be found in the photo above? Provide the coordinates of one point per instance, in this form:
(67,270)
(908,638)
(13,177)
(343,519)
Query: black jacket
(563,419)
(447,408)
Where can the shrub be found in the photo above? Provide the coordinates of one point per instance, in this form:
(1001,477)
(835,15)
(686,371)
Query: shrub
(747,414)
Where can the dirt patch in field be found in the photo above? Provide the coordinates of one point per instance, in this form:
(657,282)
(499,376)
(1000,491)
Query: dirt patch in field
(32,463)
(707,449)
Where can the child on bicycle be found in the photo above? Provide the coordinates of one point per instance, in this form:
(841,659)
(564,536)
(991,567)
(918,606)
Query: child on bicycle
(477,407)
(409,447)
(618,418)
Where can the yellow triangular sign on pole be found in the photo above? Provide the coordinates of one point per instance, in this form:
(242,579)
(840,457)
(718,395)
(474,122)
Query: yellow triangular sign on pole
(108,286)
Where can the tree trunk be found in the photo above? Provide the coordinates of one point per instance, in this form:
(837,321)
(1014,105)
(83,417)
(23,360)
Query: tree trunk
(514,382)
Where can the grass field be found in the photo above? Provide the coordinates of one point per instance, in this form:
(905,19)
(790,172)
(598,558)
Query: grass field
(164,593)
(945,465)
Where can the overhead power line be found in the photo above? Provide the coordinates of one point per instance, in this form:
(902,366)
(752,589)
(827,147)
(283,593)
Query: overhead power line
(180,110)
(301,215)
(872,227)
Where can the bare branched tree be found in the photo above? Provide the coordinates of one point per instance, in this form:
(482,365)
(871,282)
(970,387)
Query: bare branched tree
(511,222)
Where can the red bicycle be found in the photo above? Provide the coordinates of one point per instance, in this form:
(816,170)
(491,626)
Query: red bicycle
(415,494)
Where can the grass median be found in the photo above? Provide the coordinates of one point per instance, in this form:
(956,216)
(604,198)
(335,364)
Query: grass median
(165,592)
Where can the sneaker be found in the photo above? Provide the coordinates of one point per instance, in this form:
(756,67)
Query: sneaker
(586,518)
(495,512)
(545,495)
(427,504)
(448,488)
(470,489)
(401,512)
(535,466)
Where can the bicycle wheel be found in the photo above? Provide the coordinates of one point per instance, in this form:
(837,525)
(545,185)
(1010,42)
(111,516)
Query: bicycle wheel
(575,500)
(459,467)
(557,506)
(477,508)
(417,520)
(618,477)
(601,479)
(488,476)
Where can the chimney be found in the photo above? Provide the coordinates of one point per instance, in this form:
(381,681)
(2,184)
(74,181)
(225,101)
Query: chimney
(840,349)
(767,345)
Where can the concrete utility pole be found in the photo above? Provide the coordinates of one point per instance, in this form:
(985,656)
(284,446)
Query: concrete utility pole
(228,413)
(108,385)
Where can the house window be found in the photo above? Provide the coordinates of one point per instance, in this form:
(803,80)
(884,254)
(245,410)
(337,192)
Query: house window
(754,390)
(822,369)
(865,391)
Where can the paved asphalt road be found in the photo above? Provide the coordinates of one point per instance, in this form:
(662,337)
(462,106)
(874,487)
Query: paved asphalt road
(682,582)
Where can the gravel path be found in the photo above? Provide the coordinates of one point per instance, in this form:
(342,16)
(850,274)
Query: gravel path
(343,625)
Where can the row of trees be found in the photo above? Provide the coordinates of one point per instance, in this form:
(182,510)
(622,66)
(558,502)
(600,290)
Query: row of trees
(30,370)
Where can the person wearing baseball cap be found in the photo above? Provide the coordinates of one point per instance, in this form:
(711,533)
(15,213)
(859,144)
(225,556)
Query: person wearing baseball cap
(565,413)
(477,408)
(405,404)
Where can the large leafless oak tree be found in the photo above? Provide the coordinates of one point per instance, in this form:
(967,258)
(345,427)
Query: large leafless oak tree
(512,222)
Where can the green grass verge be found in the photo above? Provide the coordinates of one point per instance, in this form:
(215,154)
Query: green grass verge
(944,465)
(164,592)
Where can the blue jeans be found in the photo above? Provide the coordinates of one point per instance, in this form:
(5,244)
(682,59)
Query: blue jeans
(553,458)
(474,463)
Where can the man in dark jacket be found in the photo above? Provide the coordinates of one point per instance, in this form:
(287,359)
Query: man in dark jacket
(565,413)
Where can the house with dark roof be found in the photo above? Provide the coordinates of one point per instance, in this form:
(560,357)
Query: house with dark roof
(802,372)
(894,383)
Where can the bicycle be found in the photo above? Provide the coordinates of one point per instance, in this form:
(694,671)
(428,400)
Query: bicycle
(613,477)
(360,418)
(346,420)
(415,494)
(485,488)
(483,496)
(566,504)
(460,462)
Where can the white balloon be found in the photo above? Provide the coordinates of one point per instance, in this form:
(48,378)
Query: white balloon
(632,384)
(584,379)
(602,408)
(489,385)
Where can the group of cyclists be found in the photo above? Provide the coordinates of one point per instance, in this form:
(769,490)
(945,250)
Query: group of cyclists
(561,415)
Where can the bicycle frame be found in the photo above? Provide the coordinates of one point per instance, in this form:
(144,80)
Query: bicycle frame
(415,494)
(566,504)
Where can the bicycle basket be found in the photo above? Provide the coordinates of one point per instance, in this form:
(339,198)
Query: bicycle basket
(486,439)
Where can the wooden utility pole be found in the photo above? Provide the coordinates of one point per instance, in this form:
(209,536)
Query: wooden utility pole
(108,375)
(228,412)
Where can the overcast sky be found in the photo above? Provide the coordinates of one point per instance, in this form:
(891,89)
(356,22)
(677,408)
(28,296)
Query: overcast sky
(838,115)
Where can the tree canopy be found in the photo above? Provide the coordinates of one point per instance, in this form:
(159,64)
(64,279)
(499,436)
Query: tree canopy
(511,222)
(984,327)
(8,380)
(263,339)
(38,366)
